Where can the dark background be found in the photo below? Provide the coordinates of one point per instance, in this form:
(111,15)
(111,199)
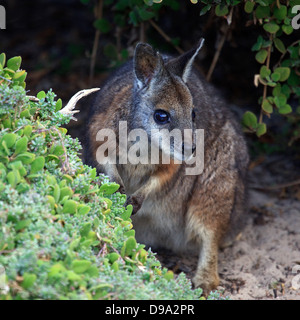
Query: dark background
(55,39)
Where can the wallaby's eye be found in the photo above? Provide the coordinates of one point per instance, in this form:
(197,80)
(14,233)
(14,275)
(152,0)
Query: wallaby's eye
(161,116)
(193,115)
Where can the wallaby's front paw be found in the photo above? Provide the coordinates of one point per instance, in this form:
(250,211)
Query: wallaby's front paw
(136,203)
(207,282)
(122,190)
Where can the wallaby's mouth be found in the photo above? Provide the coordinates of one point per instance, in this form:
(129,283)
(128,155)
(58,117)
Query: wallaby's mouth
(190,156)
(185,154)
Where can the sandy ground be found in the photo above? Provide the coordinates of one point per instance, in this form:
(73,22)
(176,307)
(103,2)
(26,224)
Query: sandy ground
(264,260)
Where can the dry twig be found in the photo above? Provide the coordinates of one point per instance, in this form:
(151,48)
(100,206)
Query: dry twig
(220,46)
(69,108)
(278,186)
(165,36)
(98,15)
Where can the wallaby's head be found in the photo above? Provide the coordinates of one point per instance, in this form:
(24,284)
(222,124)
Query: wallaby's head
(162,99)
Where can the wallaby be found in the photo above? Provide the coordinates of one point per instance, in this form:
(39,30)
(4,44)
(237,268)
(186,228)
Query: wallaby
(184,213)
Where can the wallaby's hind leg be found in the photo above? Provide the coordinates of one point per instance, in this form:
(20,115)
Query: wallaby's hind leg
(238,216)
(206,276)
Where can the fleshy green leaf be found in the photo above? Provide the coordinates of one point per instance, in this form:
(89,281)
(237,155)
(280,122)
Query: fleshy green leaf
(264,72)
(275,76)
(19,74)
(25,157)
(287,29)
(261,56)
(22,224)
(271,27)
(249,6)
(70,206)
(51,201)
(28,280)
(83,209)
(280,101)
(261,129)
(113,257)
(126,215)
(12,178)
(262,12)
(58,150)
(41,95)
(169,275)
(285,109)
(284,73)
(85,229)
(56,192)
(279,45)
(267,107)
(145,14)
(259,42)
(109,188)
(2,59)
(58,105)
(55,269)
(66,191)
(221,10)
(130,245)
(72,276)
(14,63)
(80,266)
(280,13)
(10,139)
(27,131)
(205,9)
(37,165)
(21,145)
(249,120)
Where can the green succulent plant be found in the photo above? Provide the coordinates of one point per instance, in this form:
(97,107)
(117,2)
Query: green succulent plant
(64,230)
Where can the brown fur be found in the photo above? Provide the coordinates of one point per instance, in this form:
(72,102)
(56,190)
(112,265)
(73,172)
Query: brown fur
(174,210)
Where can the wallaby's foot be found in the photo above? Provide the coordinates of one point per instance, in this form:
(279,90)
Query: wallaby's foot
(122,189)
(206,280)
(136,203)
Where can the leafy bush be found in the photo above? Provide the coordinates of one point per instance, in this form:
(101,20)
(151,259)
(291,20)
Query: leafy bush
(280,81)
(64,232)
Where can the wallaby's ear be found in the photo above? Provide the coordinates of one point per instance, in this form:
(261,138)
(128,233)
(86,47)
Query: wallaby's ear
(182,65)
(148,64)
